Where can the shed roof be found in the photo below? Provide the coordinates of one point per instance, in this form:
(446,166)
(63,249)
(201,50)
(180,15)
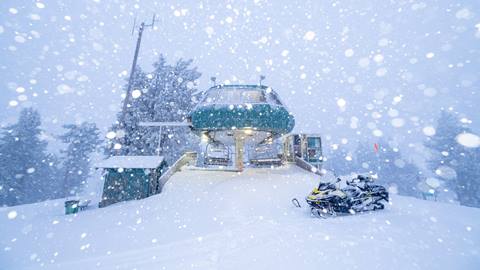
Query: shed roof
(131,162)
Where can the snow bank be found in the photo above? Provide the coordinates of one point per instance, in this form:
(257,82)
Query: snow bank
(228,220)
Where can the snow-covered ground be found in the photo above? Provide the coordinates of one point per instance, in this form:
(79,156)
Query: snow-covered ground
(226,220)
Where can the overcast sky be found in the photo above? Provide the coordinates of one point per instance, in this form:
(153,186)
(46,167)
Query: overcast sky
(346,69)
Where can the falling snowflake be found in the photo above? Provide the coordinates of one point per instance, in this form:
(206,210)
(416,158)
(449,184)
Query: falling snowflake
(309,36)
(429,131)
(12,214)
(136,93)
(341,103)
(468,140)
(349,53)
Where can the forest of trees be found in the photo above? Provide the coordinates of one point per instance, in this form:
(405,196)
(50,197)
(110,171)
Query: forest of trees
(455,164)
(29,173)
(380,159)
(452,164)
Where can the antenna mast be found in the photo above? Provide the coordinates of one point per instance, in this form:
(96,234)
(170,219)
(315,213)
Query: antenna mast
(126,101)
(214,80)
(262,77)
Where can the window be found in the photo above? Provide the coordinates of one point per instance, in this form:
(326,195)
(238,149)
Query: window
(235,96)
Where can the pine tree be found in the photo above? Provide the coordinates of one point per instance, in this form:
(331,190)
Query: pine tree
(27,172)
(175,86)
(467,182)
(82,140)
(455,164)
(166,97)
(444,149)
(51,188)
(129,136)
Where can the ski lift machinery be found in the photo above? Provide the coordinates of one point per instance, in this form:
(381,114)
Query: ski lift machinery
(304,146)
(240,116)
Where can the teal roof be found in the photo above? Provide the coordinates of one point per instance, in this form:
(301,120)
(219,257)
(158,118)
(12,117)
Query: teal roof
(262,111)
(262,117)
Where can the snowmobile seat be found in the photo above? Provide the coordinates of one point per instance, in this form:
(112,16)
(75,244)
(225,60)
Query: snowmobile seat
(220,161)
(363,178)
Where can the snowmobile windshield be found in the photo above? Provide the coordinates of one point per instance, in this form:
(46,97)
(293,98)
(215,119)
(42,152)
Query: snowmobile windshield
(325,186)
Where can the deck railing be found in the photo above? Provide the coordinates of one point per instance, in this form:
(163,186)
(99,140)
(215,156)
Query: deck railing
(307,166)
(187,158)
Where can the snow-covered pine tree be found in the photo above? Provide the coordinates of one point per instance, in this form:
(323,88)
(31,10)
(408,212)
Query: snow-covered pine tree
(51,188)
(455,164)
(392,169)
(82,140)
(128,137)
(443,147)
(166,96)
(467,184)
(174,86)
(27,172)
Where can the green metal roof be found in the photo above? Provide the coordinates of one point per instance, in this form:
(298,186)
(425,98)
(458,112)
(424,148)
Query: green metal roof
(262,117)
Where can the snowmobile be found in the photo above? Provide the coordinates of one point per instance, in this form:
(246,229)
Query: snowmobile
(364,195)
(328,200)
(360,195)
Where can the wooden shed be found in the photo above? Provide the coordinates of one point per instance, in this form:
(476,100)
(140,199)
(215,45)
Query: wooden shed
(130,177)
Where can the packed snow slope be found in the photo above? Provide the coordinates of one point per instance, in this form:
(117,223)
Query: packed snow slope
(228,220)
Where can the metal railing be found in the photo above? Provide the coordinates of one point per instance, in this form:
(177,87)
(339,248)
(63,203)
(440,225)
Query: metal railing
(187,158)
(307,166)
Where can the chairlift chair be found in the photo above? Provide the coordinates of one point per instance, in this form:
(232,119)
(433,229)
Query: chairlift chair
(264,155)
(217,153)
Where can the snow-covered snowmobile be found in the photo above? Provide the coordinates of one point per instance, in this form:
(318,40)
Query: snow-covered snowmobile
(328,200)
(360,195)
(364,195)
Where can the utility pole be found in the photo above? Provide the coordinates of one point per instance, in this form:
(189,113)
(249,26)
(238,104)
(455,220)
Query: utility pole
(126,101)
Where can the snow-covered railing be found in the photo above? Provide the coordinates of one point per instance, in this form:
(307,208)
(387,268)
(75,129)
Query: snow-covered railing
(187,158)
(307,166)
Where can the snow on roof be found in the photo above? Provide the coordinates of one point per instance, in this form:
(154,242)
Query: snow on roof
(131,162)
